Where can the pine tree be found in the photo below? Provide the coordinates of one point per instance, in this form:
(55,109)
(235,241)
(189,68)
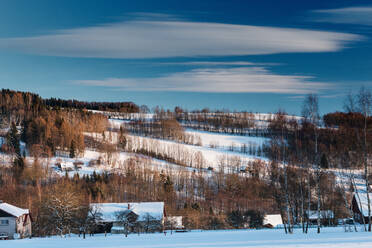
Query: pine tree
(13,139)
(324,162)
(72,149)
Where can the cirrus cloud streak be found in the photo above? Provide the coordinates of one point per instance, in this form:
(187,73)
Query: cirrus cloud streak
(217,80)
(176,38)
(351,15)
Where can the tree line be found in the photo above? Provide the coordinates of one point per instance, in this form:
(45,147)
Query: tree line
(123,107)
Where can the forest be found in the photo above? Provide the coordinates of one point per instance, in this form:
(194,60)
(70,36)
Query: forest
(296,171)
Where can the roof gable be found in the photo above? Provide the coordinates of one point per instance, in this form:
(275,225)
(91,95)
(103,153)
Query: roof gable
(13,210)
(5,214)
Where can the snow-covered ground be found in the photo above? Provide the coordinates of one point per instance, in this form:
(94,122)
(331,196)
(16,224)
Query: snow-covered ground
(329,237)
(225,141)
(212,157)
(214,147)
(86,168)
(118,160)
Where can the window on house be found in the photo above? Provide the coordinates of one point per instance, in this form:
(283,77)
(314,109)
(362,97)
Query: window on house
(4,222)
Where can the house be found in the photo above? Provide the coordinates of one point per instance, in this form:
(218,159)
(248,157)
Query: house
(326,217)
(359,205)
(272,220)
(65,165)
(130,217)
(15,222)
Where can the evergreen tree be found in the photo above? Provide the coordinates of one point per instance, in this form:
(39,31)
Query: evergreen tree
(255,218)
(72,149)
(13,139)
(324,162)
(18,166)
(235,219)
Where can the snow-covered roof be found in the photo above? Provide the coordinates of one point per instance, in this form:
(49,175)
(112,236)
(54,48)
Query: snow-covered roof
(273,219)
(13,210)
(66,164)
(363,203)
(324,214)
(142,209)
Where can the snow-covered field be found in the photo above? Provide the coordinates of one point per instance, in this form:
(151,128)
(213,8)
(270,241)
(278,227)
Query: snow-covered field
(225,141)
(330,238)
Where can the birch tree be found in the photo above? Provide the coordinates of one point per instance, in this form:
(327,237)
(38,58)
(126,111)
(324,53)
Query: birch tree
(310,112)
(364,100)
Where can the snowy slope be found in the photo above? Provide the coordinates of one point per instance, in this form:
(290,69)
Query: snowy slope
(212,155)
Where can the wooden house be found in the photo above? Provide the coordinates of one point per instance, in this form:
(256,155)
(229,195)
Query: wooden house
(359,206)
(15,222)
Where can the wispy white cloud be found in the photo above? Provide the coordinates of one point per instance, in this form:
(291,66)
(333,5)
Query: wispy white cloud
(234,80)
(351,15)
(145,38)
(216,63)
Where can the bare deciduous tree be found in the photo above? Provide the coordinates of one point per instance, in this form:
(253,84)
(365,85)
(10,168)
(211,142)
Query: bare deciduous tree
(364,100)
(310,111)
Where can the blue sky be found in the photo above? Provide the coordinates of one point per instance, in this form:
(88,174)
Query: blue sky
(241,55)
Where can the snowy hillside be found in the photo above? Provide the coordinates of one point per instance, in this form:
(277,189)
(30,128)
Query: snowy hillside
(214,147)
(212,156)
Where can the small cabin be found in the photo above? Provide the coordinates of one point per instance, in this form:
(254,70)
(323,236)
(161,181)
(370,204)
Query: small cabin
(272,220)
(65,165)
(15,222)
